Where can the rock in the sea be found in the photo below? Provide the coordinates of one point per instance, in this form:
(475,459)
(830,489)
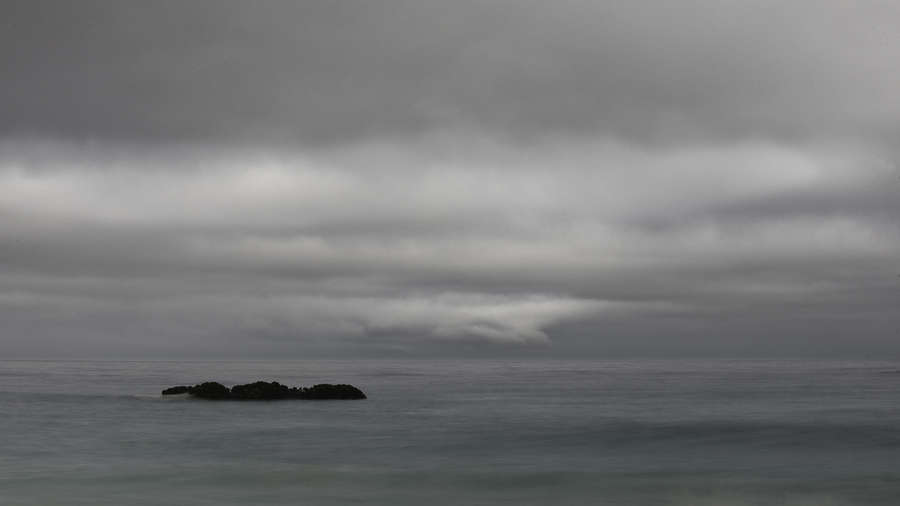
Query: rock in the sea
(210,390)
(261,391)
(267,391)
(181,389)
(326,391)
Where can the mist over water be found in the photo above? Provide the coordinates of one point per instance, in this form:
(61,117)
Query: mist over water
(456,432)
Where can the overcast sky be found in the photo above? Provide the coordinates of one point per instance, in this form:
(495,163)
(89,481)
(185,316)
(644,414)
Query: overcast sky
(424,178)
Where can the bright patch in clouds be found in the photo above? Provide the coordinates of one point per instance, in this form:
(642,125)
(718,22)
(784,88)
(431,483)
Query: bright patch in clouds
(497,244)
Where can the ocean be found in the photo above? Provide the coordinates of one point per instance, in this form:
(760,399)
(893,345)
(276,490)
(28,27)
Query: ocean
(442,432)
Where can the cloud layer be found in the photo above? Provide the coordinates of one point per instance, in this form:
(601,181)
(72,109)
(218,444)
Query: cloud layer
(220,178)
(312,72)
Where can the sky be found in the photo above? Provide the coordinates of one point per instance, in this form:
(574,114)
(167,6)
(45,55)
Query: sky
(426,178)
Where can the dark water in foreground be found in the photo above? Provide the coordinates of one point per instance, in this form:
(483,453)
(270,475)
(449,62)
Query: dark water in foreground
(448,432)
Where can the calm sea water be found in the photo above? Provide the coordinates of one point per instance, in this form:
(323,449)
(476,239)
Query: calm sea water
(455,432)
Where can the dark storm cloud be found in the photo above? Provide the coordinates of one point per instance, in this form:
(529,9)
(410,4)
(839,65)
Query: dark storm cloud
(313,72)
(223,178)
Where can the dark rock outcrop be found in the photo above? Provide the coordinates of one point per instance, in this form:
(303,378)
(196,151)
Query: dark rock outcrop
(210,390)
(263,391)
(326,391)
(176,390)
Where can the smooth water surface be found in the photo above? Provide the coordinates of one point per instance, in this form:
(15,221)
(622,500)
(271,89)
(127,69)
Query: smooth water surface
(455,432)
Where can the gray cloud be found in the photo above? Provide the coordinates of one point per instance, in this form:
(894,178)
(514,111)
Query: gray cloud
(488,245)
(314,72)
(446,177)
